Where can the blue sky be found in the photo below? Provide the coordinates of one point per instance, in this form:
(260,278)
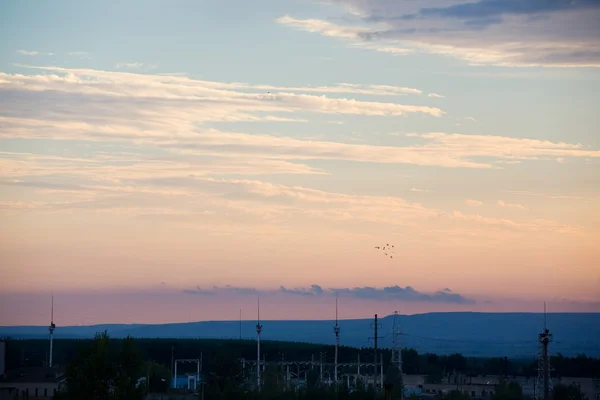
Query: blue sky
(466,130)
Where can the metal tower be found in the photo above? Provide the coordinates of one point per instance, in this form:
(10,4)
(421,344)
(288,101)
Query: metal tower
(543,383)
(396,346)
(396,349)
(258,331)
(336,330)
(376,359)
(51,330)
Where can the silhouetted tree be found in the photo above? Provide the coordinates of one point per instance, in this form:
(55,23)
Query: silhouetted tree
(570,392)
(508,391)
(99,373)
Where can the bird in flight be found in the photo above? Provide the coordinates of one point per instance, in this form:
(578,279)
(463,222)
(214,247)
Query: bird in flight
(387,249)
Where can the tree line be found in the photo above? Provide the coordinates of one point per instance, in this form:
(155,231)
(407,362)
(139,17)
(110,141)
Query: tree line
(110,369)
(34,352)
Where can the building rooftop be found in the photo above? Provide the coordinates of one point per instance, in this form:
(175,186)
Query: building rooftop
(35,374)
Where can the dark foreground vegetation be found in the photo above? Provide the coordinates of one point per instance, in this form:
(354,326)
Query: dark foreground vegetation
(110,369)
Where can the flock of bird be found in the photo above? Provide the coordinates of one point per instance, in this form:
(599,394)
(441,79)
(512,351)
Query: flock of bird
(387,248)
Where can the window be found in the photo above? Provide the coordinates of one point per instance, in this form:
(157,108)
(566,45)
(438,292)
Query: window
(597,396)
(36,392)
(597,384)
(46,392)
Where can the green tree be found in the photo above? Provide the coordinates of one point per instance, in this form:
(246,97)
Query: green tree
(570,392)
(99,373)
(159,377)
(393,382)
(508,391)
(224,380)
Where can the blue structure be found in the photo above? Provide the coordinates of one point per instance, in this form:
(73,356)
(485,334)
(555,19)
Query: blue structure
(412,391)
(185,382)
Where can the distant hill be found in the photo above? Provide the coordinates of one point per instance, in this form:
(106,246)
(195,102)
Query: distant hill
(472,334)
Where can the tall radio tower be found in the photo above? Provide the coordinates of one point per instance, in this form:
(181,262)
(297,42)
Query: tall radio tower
(396,349)
(51,330)
(336,330)
(543,384)
(258,330)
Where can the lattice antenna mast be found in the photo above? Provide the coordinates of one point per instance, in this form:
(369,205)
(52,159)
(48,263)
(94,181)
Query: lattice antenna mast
(51,330)
(336,330)
(543,384)
(396,343)
(258,331)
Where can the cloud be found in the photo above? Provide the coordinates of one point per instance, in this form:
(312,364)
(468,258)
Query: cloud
(473,203)
(314,290)
(168,112)
(398,293)
(391,293)
(418,190)
(498,32)
(471,119)
(149,153)
(33,53)
(78,53)
(507,205)
(560,160)
(202,200)
(489,11)
(135,65)
(211,100)
(199,291)
(216,290)
(435,96)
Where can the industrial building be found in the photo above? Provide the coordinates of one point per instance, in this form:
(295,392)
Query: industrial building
(31,383)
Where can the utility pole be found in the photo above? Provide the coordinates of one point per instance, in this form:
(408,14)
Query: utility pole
(258,331)
(375,353)
(51,330)
(173,380)
(543,383)
(336,330)
(321,368)
(396,347)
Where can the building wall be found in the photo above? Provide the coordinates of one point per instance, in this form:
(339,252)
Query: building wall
(162,396)
(2,357)
(44,390)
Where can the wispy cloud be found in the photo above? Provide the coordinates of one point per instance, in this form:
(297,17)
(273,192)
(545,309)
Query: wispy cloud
(145,107)
(473,203)
(193,166)
(419,190)
(390,293)
(508,205)
(216,290)
(195,199)
(33,53)
(135,65)
(505,33)
(435,96)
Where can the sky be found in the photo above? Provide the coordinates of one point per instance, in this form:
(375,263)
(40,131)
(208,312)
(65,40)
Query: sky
(166,161)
